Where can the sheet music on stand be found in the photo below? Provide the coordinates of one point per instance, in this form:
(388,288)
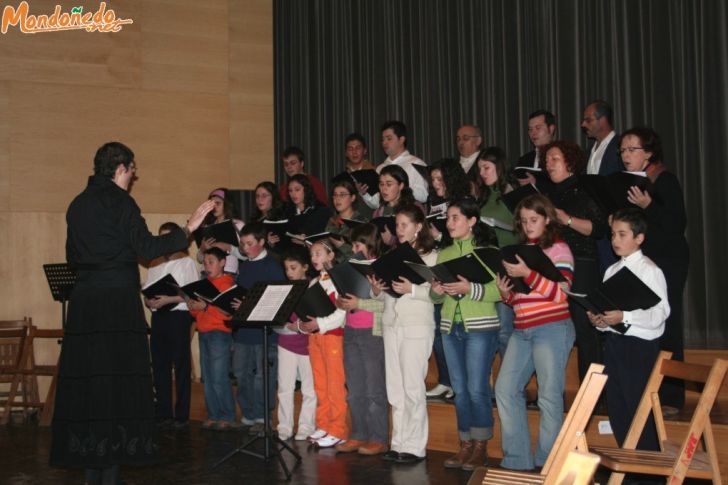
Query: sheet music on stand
(61,280)
(269,303)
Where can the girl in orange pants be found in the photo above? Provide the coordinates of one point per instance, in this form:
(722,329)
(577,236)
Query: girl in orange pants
(326,351)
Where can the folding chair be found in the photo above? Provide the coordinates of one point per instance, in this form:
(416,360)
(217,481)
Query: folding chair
(13,335)
(676,459)
(571,437)
(28,371)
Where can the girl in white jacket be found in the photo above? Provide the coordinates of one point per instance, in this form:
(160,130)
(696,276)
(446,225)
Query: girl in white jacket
(408,328)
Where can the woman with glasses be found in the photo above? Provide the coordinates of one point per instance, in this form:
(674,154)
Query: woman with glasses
(665,243)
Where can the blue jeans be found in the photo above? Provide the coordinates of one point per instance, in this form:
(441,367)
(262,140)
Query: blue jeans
(469,358)
(545,350)
(215,364)
(443,375)
(248,370)
(506,316)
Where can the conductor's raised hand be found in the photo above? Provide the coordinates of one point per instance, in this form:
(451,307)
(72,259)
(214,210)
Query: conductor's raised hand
(518,269)
(199,215)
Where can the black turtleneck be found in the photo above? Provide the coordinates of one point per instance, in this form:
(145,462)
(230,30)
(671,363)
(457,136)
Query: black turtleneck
(569,196)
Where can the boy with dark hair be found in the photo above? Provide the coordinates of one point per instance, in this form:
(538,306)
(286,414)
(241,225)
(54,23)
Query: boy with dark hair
(215,346)
(293,160)
(630,356)
(248,342)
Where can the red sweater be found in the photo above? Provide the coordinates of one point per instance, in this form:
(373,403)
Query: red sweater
(212,318)
(547,301)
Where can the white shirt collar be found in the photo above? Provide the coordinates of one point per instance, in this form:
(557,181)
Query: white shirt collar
(260,256)
(631,258)
(597,152)
(467,162)
(400,158)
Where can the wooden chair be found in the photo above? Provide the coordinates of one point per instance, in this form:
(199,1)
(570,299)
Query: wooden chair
(13,335)
(572,436)
(676,459)
(578,469)
(28,370)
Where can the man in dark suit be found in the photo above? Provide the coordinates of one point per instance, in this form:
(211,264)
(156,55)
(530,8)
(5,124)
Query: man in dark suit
(597,123)
(541,132)
(604,159)
(469,141)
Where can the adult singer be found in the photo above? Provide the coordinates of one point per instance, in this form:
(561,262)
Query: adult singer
(104,415)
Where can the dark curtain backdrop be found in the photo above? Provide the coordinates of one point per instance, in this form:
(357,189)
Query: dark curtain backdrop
(347,65)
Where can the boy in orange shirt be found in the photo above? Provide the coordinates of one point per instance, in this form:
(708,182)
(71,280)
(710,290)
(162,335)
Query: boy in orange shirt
(215,344)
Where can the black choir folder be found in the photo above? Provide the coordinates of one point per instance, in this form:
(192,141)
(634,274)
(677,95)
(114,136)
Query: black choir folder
(279,228)
(391,267)
(224,232)
(225,299)
(164,286)
(623,291)
(532,255)
(350,281)
(381,222)
(368,177)
(611,191)
(199,290)
(467,266)
(314,303)
(512,198)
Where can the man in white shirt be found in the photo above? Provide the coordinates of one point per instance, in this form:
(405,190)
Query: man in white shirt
(597,123)
(394,144)
(469,141)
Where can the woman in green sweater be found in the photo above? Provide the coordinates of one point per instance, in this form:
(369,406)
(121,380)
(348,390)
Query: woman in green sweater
(470,335)
(493,184)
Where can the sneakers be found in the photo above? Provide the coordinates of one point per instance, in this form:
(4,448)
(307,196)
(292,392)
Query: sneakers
(317,435)
(328,441)
(247,422)
(439,390)
(256,429)
(372,448)
(350,446)
(301,436)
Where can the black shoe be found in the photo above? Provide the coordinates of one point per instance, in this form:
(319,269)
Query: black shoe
(391,455)
(409,458)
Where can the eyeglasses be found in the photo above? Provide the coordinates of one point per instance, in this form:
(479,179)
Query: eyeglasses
(629,149)
(466,137)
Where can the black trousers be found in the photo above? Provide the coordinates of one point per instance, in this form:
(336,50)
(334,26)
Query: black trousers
(588,338)
(672,392)
(170,348)
(628,363)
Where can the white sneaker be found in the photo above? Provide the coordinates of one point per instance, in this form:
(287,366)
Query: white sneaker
(247,422)
(450,394)
(438,390)
(317,435)
(328,441)
(284,436)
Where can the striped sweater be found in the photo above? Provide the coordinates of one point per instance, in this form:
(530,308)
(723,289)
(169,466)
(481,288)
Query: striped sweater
(547,301)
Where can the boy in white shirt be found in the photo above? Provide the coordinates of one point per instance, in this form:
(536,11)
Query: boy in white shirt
(630,355)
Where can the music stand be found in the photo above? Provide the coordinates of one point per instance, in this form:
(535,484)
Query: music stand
(266,305)
(61,280)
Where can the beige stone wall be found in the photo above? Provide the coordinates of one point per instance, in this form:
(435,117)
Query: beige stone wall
(188,86)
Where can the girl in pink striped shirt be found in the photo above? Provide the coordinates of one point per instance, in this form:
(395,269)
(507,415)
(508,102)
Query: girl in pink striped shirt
(541,341)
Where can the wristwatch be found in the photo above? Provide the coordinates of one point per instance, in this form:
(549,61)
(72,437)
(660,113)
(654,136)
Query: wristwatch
(569,221)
